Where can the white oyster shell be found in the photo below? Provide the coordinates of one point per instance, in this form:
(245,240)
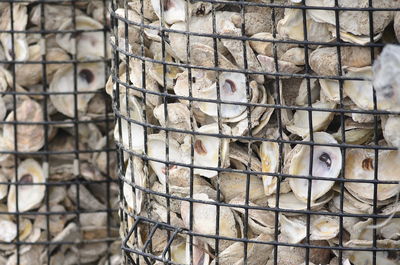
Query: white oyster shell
(156,144)
(135,173)
(209,151)
(29,137)
(386,78)
(320,119)
(90,77)
(29,196)
(360,164)
(391,129)
(291,27)
(85,43)
(232,88)
(355,22)
(178,118)
(173,10)
(8,230)
(326,163)
(204,218)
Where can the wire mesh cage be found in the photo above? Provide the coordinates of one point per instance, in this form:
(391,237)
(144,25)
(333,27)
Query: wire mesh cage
(58,187)
(257,132)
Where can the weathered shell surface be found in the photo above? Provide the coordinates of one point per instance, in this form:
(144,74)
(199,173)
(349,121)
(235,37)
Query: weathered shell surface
(29,196)
(90,77)
(350,21)
(320,119)
(157,146)
(326,163)
(29,137)
(360,165)
(210,151)
(204,220)
(386,80)
(87,43)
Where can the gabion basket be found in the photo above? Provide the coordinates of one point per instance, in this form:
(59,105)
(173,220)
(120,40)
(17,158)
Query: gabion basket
(257,132)
(58,189)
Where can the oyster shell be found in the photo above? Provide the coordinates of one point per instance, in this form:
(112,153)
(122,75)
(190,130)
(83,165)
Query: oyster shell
(88,44)
(233,185)
(55,15)
(173,10)
(135,173)
(284,68)
(360,92)
(200,25)
(31,189)
(232,88)
(291,27)
(29,137)
(3,187)
(321,228)
(354,133)
(9,230)
(386,78)
(391,127)
(293,229)
(156,150)
(320,119)
(269,154)
(148,11)
(210,151)
(355,22)
(315,88)
(15,45)
(178,118)
(260,221)
(327,163)
(156,71)
(360,165)
(266,45)
(324,60)
(90,77)
(180,252)
(397,25)
(204,220)
(290,202)
(238,52)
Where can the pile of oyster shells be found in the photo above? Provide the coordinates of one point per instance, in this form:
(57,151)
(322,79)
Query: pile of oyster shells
(68,221)
(211,136)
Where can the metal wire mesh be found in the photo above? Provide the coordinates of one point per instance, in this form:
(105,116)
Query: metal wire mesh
(255,132)
(57,182)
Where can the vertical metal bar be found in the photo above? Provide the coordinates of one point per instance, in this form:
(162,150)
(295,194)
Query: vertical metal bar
(219,121)
(43,49)
(13,72)
(192,122)
(342,125)
(376,138)
(76,124)
(248,110)
(166,121)
(311,131)
(278,100)
(107,127)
